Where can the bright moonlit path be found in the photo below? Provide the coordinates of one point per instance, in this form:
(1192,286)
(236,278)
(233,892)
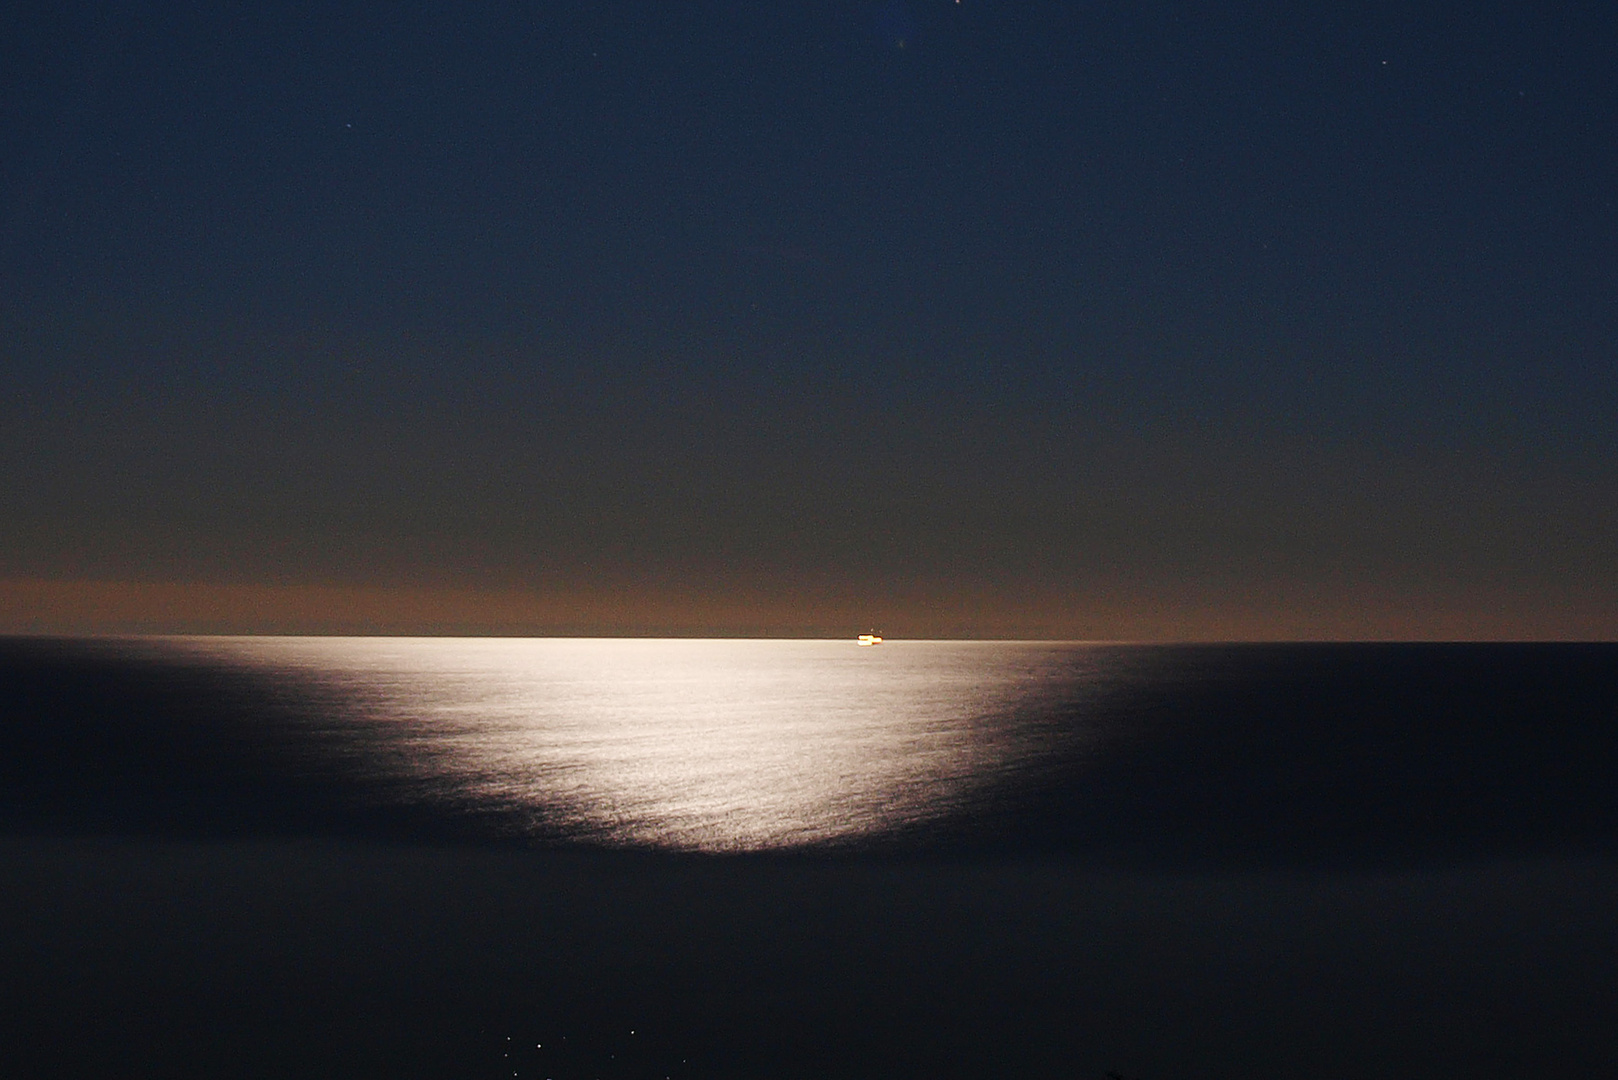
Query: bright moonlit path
(698,745)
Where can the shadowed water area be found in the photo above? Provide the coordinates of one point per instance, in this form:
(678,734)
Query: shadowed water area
(793,857)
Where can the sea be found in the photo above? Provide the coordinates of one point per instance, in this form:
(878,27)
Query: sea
(609,858)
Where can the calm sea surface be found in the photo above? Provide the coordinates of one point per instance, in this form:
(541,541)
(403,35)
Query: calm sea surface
(1211,755)
(692,745)
(682,858)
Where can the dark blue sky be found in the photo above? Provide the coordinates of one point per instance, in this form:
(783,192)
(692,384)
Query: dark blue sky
(979,317)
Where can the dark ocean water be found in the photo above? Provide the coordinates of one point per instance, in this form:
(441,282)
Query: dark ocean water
(413,857)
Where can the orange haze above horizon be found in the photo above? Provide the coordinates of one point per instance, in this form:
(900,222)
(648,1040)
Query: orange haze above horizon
(1206,613)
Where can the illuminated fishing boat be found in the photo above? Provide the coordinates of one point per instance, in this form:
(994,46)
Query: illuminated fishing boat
(873,638)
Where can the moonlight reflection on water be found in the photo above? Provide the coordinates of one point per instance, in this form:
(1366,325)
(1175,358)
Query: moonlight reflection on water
(695,745)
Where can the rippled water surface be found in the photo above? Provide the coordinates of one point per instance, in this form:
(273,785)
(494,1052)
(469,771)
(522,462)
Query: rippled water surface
(1208,755)
(427,858)
(696,744)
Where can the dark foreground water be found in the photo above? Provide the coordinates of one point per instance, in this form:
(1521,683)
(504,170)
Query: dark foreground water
(409,857)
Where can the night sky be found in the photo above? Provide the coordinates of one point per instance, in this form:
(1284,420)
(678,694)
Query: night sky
(989,318)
